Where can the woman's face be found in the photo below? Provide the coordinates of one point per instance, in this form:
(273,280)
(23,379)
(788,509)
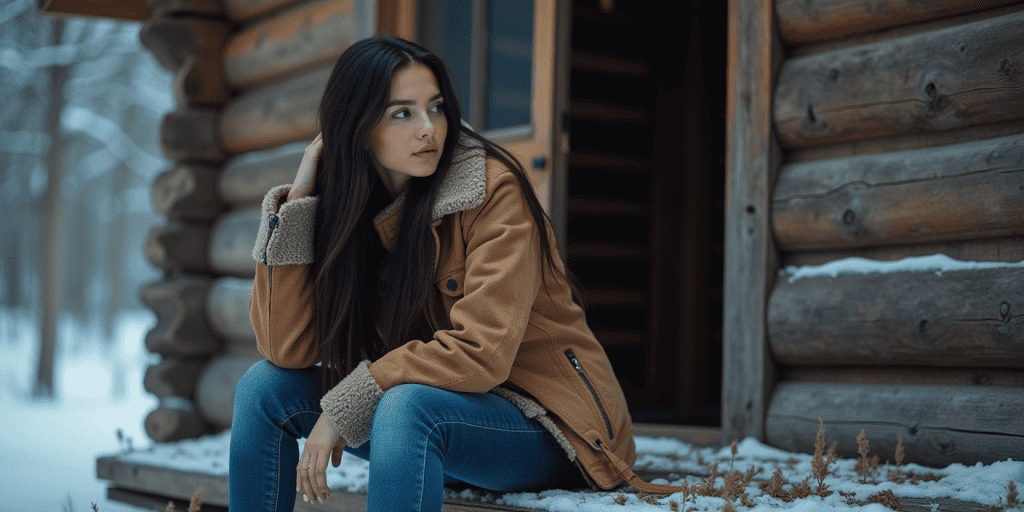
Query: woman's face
(408,140)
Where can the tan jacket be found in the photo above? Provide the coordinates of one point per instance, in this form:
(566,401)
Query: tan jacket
(511,334)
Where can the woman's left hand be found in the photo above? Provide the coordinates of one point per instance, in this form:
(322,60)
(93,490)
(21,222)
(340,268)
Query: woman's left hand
(324,443)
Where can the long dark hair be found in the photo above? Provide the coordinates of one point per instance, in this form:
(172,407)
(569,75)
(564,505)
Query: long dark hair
(348,255)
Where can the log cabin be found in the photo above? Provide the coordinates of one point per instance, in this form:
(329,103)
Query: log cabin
(684,160)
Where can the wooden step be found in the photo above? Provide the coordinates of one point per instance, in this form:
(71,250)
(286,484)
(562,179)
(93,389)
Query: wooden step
(593,250)
(600,206)
(602,111)
(619,338)
(599,160)
(597,62)
(604,296)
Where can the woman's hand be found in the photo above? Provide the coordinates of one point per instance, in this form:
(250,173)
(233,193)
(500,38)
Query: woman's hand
(305,178)
(323,443)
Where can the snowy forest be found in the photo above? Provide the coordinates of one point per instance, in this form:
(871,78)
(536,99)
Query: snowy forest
(78,150)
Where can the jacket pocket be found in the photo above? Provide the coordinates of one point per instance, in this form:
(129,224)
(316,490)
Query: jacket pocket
(593,391)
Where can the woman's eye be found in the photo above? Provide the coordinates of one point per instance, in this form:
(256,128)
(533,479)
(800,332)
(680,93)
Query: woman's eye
(401,114)
(437,108)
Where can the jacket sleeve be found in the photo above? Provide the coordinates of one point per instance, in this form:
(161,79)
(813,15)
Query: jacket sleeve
(502,281)
(279,305)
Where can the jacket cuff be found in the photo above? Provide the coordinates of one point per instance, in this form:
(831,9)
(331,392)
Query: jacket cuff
(350,405)
(286,234)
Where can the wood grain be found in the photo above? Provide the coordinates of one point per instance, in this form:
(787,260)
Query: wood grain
(245,10)
(227,309)
(215,391)
(173,376)
(750,256)
(246,178)
(191,134)
(232,241)
(964,75)
(308,34)
(187,191)
(191,48)
(939,425)
(274,114)
(904,375)
(178,247)
(968,318)
(173,420)
(959,192)
(806,21)
(181,326)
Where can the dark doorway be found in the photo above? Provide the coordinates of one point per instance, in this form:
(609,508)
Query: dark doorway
(646,197)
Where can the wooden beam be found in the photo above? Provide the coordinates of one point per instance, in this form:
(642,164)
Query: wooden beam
(961,76)
(129,10)
(750,258)
(178,247)
(308,34)
(905,375)
(950,193)
(1009,250)
(967,318)
(232,240)
(806,21)
(173,376)
(191,134)
(181,326)
(278,113)
(174,419)
(939,425)
(187,191)
(244,10)
(227,309)
(191,48)
(245,179)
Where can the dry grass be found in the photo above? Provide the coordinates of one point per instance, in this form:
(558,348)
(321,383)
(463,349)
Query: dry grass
(886,498)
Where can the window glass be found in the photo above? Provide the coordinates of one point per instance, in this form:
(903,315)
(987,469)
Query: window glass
(509,63)
(488,46)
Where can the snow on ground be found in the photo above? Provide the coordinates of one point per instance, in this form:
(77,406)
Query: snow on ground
(937,263)
(50,448)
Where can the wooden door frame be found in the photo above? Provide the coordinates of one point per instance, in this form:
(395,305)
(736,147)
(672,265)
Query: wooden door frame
(752,163)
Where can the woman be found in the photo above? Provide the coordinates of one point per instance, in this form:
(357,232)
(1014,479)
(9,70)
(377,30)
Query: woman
(412,260)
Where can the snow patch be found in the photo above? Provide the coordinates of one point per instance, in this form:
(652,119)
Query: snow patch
(937,263)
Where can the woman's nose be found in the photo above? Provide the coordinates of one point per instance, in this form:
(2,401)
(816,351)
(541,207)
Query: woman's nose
(427,128)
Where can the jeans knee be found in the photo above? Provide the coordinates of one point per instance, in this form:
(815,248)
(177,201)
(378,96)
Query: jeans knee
(263,384)
(405,404)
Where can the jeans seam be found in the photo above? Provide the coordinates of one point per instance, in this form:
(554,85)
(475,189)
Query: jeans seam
(423,471)
(277,458)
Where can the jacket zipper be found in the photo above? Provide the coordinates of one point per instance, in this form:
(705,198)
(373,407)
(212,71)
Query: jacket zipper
(270,232)
(593,391)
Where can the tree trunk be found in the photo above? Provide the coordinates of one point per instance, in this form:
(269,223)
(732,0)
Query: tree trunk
(52,219)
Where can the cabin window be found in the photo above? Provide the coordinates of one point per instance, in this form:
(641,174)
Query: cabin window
(488,45)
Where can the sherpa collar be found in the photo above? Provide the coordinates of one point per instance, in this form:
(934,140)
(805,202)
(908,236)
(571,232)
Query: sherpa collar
(463,188)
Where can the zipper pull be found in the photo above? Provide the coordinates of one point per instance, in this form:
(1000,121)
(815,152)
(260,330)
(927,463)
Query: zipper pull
(270,232)
(572,358)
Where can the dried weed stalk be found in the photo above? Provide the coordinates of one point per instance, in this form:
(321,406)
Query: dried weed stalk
(620,499)
(801,490)
(863,464)
(196,501)
(728,507)
(1011,495)
(886,498)
(821,462)
(773,487)
(673,506)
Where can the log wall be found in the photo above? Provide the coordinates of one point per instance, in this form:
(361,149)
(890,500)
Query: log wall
(902,127)
(248,79)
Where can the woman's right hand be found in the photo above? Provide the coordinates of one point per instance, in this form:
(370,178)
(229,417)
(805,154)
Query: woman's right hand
(305,178)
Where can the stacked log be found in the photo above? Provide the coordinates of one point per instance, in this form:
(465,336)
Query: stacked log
(903,129)
(248,79)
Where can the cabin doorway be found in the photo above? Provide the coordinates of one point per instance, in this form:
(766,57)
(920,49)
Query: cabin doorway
(645,191)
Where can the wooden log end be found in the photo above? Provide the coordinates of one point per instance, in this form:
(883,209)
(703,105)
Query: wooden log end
(178,247)
(173,376)
(181,328)
(215,391)
(175,419)
(191,135)
(187,191)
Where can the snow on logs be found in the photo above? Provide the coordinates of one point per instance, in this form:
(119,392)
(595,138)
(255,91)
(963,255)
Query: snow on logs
(964,75)
(939,424)
(962,318)
(807,21)
(972,190)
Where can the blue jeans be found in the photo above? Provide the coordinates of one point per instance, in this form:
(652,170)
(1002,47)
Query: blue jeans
(421,438)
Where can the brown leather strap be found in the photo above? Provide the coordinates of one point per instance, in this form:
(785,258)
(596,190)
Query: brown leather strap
(628,475)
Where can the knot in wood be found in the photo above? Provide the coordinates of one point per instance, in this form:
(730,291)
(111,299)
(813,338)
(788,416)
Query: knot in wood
(1004,311)
(833,74)
(924,327)
(849,217)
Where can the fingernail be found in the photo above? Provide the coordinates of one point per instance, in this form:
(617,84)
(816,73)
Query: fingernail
(319,499)
(305,498)
(298,489)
